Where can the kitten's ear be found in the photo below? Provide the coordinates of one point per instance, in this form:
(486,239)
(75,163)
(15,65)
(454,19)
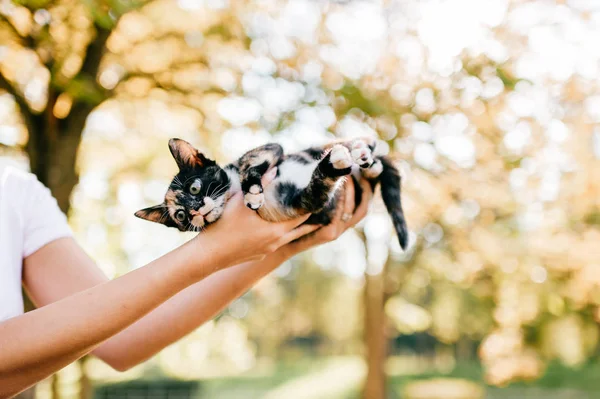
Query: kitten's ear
(187,156)
(157,214)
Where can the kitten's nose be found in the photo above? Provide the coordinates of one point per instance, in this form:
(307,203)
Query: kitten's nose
(194,213)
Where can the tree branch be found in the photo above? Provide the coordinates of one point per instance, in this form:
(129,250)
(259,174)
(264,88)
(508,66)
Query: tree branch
(95,51)
(5,85)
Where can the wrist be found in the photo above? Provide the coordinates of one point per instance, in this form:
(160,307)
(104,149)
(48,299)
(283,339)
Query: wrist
(210,254)
(199,258)
(286,252)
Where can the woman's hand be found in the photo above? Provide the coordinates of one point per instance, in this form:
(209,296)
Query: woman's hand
(345,217)
(241,235)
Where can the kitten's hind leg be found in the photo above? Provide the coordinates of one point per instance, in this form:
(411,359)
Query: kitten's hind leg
(314,197)
(373,171)
(253,165)
(362,154)
(340,160)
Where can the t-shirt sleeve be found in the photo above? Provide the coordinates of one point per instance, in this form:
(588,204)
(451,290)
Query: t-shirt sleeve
(42,219)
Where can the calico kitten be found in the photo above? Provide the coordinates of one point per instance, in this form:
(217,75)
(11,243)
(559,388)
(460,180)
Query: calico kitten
(305,182)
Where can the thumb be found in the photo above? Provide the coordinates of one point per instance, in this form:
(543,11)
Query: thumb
(293,223)
(269,176)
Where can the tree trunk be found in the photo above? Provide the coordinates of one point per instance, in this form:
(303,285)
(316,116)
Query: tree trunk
(53,143)
(375,340)
(52,150)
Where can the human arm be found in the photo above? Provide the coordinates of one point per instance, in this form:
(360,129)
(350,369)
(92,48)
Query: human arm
(36,344)
(188,309)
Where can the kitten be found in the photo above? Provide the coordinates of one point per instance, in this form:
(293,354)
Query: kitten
(305,182)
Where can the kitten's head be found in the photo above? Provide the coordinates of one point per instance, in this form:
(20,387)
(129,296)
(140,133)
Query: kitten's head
(197,194)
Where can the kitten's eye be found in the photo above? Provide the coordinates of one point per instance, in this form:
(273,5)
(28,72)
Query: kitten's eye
(195,187)
(180,215)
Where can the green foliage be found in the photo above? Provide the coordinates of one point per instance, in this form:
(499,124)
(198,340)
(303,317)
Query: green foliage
(354,98)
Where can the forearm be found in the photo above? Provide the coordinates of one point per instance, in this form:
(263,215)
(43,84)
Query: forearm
(184,312)
(43,341)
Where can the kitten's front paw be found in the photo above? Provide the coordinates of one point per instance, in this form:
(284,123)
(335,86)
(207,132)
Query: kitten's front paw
(254,198)
(340,157)
(361,154)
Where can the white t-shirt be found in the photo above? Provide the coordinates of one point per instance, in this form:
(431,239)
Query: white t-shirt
(29,219)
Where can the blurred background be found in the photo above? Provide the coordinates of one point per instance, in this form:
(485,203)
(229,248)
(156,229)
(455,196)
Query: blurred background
(489,107)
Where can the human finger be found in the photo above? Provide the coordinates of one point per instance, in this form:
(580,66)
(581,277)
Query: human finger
(298,232)
(269,176)
(363,208)
(293,223)
(348,205)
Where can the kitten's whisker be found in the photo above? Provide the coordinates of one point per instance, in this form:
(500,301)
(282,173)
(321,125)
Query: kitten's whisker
(220,190)
(208,189)
(164,215)
(177,182)
(210,194)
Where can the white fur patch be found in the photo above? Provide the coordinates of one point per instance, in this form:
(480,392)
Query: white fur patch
(217,210)
(361,153)
(234,180)
(296,173)
(254,189)
(374,170)
(340,157)
(254,201)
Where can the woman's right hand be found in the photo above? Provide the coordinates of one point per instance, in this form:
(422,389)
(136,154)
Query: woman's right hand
(241,235)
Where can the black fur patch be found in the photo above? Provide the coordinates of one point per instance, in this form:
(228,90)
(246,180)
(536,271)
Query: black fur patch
(301,158)
(315,153)
(232,166)
(328,170)
(358,192)
(390,193)
(287,194)
(254,175)
(252,172)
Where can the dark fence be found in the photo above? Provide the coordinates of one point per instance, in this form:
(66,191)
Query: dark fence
(148,390)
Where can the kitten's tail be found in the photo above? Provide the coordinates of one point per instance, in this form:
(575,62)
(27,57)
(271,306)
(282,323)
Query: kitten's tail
(390,192)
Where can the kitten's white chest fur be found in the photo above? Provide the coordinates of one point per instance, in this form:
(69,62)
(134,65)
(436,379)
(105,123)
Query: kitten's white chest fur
(234,180)
(295,172)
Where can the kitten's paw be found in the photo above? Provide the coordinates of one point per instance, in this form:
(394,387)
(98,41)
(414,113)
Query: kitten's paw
(254,198)
(361,154)
(209,205)
(374,170)
(340,157)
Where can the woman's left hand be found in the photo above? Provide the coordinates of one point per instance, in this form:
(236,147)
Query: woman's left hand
(345,217)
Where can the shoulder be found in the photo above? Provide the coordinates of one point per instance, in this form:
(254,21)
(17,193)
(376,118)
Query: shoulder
(22,190)
(11,176)
(17,185)
(38,215)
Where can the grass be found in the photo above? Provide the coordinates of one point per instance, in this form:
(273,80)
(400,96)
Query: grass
(559,382)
